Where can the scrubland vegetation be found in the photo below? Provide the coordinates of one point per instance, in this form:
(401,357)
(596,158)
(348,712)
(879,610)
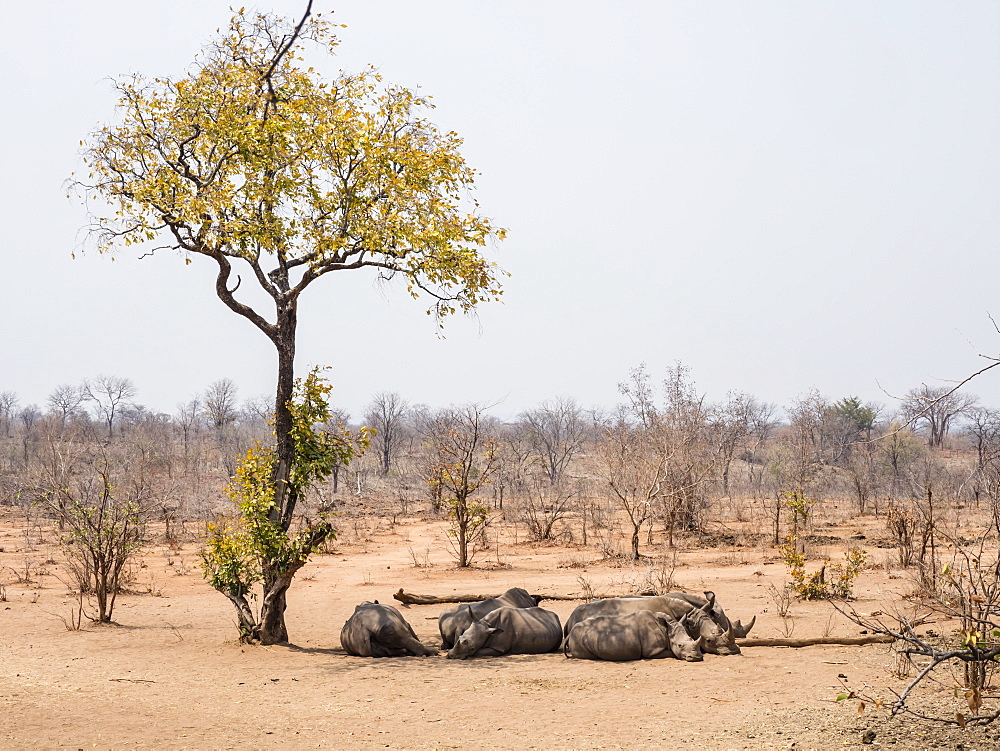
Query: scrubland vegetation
(913,484)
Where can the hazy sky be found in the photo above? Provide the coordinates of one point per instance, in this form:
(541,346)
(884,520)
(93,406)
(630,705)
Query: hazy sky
(779,195)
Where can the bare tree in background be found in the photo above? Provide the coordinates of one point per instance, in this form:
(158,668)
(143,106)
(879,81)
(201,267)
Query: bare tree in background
(8,411)
(684,430)
(28,416)
(339,419)
(514,457)
(983,430)
(220,404)
(109,395)
(900,449)
(936,408)
(466,461)
(188,419)
(556,431)
(386,414)
(639,390)
(257,409)
(65,401)
(742,425)
(633,463)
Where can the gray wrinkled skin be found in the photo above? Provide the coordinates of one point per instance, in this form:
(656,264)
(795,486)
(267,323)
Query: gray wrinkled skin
(380,631)
(718,614)
(509,630)
(456,620)
(697,621)
(643,635)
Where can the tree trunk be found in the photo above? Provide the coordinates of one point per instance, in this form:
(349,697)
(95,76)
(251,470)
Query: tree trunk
(284,342)
(271,629)
(462,523)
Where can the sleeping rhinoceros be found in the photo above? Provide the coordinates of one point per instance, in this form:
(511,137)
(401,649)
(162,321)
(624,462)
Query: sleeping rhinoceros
(697,621)
(380,631)
(643,635)
(454,621)
(509,630)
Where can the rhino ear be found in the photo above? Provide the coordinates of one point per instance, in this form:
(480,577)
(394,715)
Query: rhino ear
(496,630)
(375,603)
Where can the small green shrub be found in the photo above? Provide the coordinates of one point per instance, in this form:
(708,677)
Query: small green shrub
(815,586)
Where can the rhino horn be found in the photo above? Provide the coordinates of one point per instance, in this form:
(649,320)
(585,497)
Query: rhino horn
(701,643)
(741,630)
(730,634)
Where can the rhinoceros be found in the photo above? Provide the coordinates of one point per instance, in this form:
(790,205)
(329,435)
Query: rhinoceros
(643,635)
(718,614)
(380,631)
(698,621)
(456,620)
(509,630)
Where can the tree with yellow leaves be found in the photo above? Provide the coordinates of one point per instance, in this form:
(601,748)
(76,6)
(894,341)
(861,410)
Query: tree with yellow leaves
(279,177)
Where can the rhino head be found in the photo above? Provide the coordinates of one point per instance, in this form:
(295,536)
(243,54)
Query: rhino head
(472,639)
(699,624)
(740,630)
(681,644)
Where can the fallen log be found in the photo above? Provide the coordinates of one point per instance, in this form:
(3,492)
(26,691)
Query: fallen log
(844,641)
(409,598)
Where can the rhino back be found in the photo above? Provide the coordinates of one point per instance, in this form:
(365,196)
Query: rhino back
(516,597)
(521,631)
(625,605)
(617,638)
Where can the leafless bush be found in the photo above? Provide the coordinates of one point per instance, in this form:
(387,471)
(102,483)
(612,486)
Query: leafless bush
(782,599)
(22,575)
(573,561)
(902,525)
(103,515)
(787,627)
(544,505)
(659,576)
(74,621)
(420,560)
(966,590)
(586,587)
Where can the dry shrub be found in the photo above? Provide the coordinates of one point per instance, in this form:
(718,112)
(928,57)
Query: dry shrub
(659,576)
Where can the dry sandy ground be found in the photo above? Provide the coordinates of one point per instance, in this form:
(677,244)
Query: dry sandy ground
(170,675)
